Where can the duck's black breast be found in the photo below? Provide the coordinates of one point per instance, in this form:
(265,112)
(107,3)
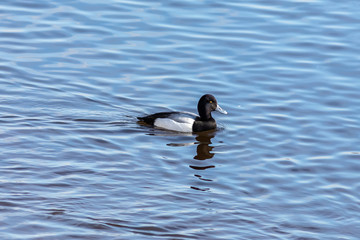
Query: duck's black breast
(200,125)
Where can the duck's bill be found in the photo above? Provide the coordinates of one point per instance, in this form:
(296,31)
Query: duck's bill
(220,110)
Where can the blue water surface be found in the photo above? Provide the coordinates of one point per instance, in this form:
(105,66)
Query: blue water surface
(283,164)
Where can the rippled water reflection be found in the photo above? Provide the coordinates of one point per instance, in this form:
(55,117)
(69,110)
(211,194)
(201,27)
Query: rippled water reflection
(284,163)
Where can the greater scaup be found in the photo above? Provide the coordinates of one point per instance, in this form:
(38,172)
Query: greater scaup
(187,122)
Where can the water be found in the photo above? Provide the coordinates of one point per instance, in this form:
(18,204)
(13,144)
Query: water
(284,163)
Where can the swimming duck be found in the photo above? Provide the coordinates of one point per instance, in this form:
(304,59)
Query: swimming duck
(185,121)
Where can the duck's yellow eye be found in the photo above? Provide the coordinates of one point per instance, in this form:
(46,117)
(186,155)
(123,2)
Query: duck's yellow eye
(210,101)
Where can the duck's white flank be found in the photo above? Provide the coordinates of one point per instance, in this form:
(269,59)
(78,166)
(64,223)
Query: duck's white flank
(182,122)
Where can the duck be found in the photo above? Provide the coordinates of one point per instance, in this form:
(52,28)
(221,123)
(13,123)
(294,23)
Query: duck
(187,121)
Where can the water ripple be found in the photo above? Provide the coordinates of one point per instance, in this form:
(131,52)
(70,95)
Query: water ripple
(283,163)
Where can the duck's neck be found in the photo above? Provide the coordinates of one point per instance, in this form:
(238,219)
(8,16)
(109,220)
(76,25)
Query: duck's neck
(204,115)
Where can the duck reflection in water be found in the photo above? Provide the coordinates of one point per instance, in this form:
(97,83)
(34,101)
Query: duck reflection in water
(203,152)
(203,149)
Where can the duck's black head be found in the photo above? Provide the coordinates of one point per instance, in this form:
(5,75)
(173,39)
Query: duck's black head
(206,105)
